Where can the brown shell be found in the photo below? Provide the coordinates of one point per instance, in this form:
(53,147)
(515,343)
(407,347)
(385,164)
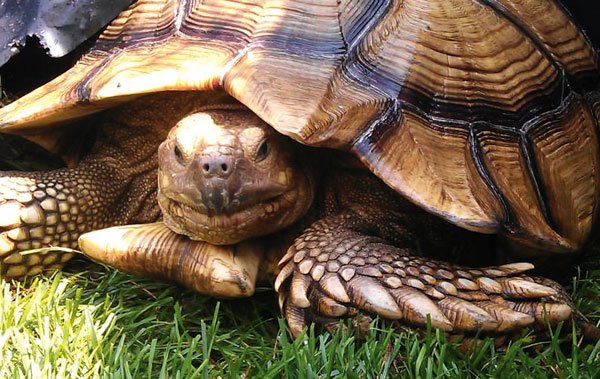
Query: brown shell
(481,111)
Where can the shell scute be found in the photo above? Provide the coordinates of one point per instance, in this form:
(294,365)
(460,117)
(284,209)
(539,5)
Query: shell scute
(481,111)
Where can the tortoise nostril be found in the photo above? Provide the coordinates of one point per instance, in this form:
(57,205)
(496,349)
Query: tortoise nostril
(216,165)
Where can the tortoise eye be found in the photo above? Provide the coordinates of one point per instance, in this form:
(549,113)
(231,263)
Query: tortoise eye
(263,151)
(178,154)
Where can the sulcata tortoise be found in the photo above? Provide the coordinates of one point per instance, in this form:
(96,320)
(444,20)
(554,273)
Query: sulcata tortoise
(482,113)
(348,241)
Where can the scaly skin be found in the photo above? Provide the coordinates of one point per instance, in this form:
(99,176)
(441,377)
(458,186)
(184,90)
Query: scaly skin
(113,184)
(361,255)
(200,200)
(226,176)
(221,271)
(54,208)
(356,240)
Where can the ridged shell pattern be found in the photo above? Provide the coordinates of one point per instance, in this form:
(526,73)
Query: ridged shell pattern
(481,111)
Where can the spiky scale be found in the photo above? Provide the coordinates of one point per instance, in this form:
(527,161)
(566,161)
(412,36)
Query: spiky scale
(370,295)
(393,282)
(370,271)
(234,62)
(347,273)
(466,284)
(489,285)
(306,265)
(317,272)
(447,288)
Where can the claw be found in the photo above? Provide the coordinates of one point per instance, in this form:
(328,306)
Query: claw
(417,306)
(153,250)
(287,257)
(283,275)
(295,317)
(328,307)
(333,287)
(281,298)
(299,290)
(508,319)
(543,313)
(489,286)
(467,316)
(516,268)
(368,294)
(465,284)
(521,288)
(331,325)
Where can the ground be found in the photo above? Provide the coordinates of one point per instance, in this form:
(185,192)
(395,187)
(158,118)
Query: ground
(94,322)
(91,321)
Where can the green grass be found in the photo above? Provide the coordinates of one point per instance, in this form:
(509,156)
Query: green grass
(93,322)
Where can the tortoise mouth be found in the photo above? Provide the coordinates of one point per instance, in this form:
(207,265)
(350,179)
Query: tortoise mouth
(220,199)
(242,222)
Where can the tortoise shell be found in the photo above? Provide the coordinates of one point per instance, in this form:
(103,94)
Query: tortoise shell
(483,112)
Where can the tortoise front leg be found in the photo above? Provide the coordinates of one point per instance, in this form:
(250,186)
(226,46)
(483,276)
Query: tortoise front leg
(114,184)
(335,268)
(53,208)
(153,250)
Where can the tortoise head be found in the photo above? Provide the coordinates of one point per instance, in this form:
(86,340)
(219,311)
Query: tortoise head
(225,176)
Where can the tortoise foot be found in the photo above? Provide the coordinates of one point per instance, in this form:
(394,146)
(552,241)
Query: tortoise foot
(154,250)
(36,212)
(325,285)
(47,209)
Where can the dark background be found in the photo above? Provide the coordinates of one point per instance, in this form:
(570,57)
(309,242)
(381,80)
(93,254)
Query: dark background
(587,14)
